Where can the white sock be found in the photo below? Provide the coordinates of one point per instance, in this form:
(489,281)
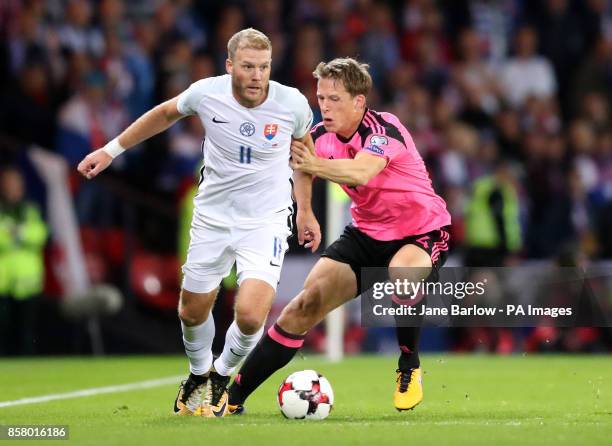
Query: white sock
(237,346)
(198,341)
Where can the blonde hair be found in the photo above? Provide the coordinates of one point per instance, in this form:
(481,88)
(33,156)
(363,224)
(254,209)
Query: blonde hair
(248,38)
(354,75)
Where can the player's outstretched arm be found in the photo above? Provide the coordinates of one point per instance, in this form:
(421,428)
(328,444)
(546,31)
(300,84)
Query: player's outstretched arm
(308,228)
(151,123)
(353,172)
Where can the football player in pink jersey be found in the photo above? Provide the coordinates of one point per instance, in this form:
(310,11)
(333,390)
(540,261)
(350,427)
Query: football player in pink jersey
(398,221)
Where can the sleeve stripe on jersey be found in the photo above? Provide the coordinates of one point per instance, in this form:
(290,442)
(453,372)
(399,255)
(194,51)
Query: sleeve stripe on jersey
(377,128)
(370,122)
(390,130)
(317,131)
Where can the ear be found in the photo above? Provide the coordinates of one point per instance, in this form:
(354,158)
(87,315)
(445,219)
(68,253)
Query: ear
(359,102)
(229,65)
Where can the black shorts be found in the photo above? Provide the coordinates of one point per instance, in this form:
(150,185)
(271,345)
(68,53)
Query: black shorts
(359,250)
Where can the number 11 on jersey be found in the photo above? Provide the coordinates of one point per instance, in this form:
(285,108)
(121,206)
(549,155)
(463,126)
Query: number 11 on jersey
(245,155)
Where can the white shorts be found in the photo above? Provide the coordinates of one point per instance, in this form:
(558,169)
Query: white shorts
(258,251)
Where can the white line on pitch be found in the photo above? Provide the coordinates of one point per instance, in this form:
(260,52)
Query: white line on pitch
(93,391)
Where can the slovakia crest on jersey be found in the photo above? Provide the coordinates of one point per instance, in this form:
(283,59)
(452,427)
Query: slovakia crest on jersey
(270,131)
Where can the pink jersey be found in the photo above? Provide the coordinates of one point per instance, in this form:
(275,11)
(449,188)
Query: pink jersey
(400,200)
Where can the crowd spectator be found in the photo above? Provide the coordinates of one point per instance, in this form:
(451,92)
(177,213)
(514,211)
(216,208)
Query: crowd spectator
(23,235)
(527,74)
(476,82)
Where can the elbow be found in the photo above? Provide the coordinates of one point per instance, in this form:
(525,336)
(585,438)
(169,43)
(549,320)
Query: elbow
(364,176)
(168,112)
(365,173)
(167,116)
(360,179)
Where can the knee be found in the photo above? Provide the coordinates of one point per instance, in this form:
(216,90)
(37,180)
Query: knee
(249,322)
(190,317)
(191,314)
(309,303)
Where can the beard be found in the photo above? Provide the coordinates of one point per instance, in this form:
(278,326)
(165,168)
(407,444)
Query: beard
(245,97)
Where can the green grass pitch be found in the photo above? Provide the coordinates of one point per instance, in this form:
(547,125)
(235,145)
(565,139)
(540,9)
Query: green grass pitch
(469,400)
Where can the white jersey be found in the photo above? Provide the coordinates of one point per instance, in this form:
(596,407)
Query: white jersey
(246,175)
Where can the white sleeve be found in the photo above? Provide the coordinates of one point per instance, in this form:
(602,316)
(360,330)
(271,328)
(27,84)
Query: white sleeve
(303,115)
(189,99)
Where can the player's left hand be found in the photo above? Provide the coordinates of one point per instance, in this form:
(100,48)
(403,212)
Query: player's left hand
(303,157)
(308,230)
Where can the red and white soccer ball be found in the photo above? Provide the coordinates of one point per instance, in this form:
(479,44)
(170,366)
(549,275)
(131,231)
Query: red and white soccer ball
(306,395)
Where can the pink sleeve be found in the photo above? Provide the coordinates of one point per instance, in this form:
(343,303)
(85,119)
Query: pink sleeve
(381,145)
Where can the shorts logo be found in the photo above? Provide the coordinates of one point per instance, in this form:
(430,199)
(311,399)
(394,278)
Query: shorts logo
(375,149)
(247,129)
(422,241)
(278,252)
(270,131)
(377,140)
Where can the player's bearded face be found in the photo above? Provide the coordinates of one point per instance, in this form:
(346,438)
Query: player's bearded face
(250,71)
(341,112)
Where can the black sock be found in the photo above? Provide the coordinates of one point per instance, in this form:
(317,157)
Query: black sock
(198,379)
(273,352)
(408,340)
(408,332)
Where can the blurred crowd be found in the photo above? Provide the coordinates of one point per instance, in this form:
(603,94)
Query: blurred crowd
(508,101)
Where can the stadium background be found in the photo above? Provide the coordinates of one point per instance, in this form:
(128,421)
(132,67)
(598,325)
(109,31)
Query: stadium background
(510,90)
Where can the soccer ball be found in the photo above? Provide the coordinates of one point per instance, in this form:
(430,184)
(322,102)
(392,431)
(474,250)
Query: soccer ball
(305,395)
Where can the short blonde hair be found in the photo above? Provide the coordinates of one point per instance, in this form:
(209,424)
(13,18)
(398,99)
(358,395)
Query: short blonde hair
(248,38)
(354,75)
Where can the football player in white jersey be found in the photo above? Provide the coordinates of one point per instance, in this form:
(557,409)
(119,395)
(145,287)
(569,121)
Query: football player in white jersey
(243,208)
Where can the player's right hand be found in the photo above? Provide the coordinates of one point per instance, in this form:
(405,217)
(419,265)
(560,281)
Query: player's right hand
(308,230)
(94,163)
